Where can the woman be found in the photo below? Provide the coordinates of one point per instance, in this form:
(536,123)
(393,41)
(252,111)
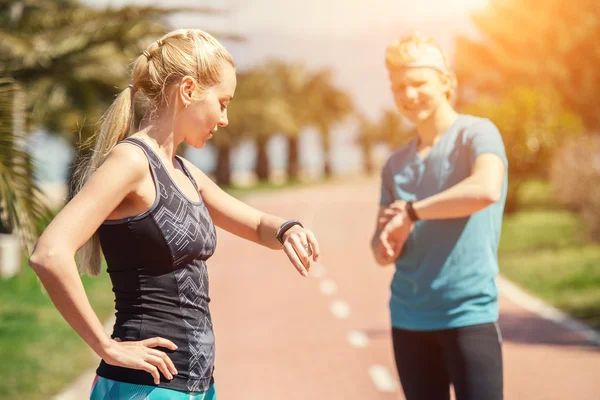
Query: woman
(442,200)
(151,213)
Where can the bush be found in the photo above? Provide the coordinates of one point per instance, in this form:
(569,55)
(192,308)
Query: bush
(534,123)
(575,177)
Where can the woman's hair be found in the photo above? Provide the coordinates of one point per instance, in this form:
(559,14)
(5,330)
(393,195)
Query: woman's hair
(417,50)
(184,52)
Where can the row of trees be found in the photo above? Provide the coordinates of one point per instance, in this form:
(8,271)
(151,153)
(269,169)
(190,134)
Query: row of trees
(280,98)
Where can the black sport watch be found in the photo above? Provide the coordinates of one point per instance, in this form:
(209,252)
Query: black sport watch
(285,227)
(410,211)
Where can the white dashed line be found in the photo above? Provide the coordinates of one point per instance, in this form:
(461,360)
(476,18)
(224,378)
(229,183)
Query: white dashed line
(340,309)
(358,339)
(328,287)
(383,379)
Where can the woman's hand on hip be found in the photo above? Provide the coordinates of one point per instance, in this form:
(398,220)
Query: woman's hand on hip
(142,355)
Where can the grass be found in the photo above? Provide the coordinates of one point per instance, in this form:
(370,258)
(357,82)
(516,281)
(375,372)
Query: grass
(40,352)
(241,191)
(264,187)
(545,250)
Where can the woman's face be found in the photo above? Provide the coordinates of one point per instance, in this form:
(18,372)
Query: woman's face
(418,91)
(203,117)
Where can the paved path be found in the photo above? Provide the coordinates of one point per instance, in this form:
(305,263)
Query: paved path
(282,337)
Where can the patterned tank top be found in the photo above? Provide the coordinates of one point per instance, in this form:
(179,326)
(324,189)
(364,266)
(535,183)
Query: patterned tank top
(157,264)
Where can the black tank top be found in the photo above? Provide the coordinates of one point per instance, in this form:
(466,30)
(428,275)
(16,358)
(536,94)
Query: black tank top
(157,264)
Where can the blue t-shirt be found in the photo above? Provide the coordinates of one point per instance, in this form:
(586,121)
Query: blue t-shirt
(445,275)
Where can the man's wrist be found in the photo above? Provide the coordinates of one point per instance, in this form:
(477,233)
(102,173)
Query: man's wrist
(411,212)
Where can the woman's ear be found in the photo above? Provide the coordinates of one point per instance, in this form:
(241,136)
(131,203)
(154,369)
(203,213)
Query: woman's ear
(187,86)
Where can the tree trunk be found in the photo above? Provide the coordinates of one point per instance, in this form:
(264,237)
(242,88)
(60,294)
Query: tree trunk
(261,167)
(223,170)
(327,167)
(293,167)
(326,153)
(368,159)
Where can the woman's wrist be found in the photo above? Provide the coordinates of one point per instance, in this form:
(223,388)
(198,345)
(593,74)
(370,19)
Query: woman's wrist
(285,228)
(104,346)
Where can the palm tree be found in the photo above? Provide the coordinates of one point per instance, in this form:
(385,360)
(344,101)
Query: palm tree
(393,130)
(368,135)
(22,205)
(291,83)
(72,59)
(258,112)
(329,105)
(314,102)
(389,129)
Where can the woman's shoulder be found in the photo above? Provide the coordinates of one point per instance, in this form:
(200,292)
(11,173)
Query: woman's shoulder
(129,157)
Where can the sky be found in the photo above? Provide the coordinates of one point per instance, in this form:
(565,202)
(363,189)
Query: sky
(336,17)
(346,36)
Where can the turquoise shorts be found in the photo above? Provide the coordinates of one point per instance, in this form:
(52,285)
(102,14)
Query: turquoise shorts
(106,389)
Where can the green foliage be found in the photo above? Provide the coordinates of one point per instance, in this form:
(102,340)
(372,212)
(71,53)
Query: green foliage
(21,201)
(36,342)
(545,251)
(390,128)
(535,43)
(314,100)
(576,180)
(72,59)
(61,64)
(329,105)
(258,111)
(277,97)
(533,124)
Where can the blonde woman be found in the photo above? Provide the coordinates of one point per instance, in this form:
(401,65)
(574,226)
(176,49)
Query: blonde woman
(442,200)
(151,214)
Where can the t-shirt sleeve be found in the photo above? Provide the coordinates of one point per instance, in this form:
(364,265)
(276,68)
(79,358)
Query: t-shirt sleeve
(486,138)
(387,193)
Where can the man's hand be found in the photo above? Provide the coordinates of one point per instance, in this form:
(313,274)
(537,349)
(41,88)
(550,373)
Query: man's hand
(394,234)
(387,213)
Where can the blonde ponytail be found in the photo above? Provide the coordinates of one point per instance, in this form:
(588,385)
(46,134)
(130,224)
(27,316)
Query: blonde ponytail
(116,125)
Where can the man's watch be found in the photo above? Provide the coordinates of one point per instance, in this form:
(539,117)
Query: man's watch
(285,227)
(410,211)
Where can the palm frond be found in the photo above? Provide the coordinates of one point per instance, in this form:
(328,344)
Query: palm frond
(22,203)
